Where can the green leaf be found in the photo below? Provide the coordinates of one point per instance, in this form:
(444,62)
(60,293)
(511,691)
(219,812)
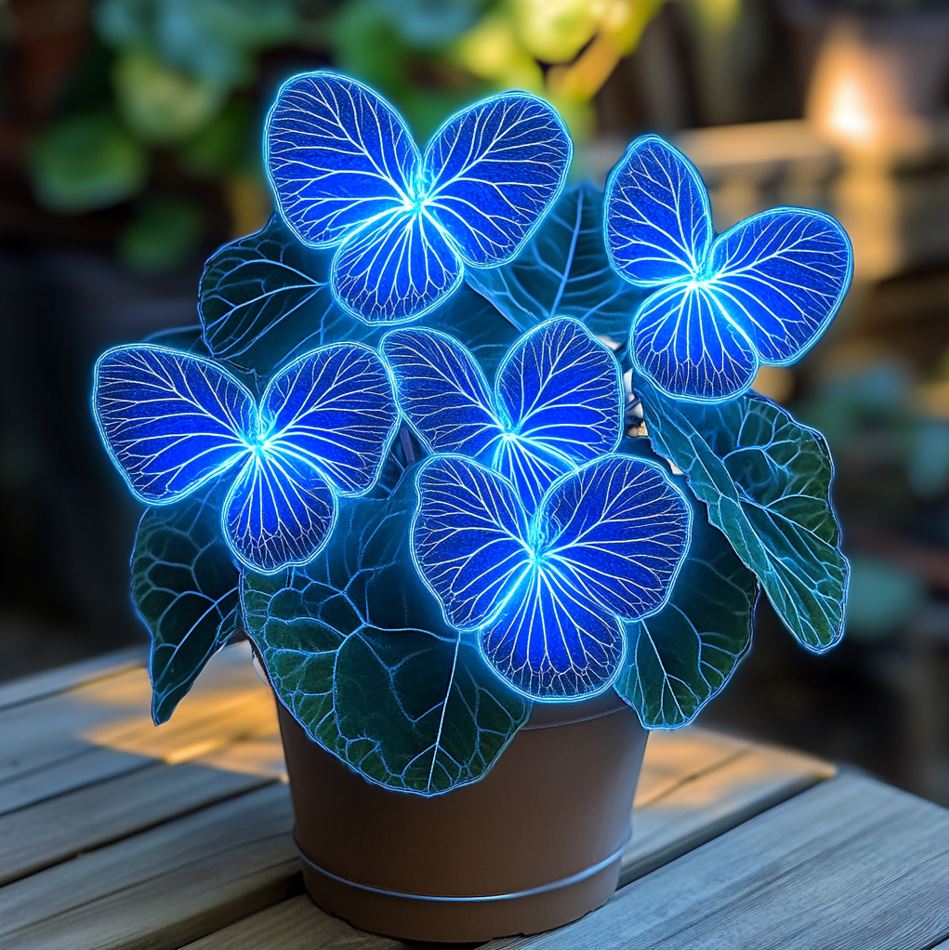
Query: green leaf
(357,650)
(86,162)
(265,298)
(185,587)
(683,656)
(766,481)
(160,103)
(563,271)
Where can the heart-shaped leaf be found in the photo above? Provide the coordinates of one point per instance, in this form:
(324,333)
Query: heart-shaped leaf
(357,650)
(265,299)
(766,481)
(682,657)
(564,271)
(185,587)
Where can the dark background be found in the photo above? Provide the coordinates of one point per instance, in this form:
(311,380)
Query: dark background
(129,149)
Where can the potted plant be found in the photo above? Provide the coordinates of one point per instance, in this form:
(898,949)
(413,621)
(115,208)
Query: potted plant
(474,462)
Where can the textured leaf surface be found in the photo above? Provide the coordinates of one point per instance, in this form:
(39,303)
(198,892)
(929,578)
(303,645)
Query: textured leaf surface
(564,270)
(557,400)
(185,588)
(265,300)
(357,650)
(766,481)
(495,169)
(681,657)
(550,594)
(764,291)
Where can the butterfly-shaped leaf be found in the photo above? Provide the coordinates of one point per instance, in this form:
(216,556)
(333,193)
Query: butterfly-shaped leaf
(185,587)
(346,173)
(556,401)
(549,591)
(765,480)
(172,422)
(265,299)
(357,650)
(564,270)
(681,657)
(761,293)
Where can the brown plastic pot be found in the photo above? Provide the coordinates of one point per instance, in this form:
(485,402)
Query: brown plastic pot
(532,846)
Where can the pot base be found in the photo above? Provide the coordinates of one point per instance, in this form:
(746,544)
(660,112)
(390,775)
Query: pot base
(534,845)
(466,919)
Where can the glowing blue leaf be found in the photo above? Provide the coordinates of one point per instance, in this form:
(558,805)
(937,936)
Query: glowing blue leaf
(185,589)
(681,657)
(345,172)
(357,650)
(265,299)
(441,390)
(658,226)
(397,268)
(764,291)
(333,408)
(557,401)
(563,270)
(683,343)
(279,511)
(469,538)
(781,277)
(766,480)
(170,421)
(615,531)
(560,394)
(553,644)
(338,155)
(493,170)
(549,594)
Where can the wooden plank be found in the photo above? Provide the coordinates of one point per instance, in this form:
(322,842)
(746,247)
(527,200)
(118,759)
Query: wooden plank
(62,678)
(293,925)
(676,758)
(705,805)
(101,730)
(850,863)
(57,829)
(695,785)
(163,887)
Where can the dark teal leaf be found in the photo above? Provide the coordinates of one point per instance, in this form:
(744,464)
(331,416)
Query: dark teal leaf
(265,298)
(187,338)
(357,650)
(683,656)
(766,481)
(185,587)
(564,271)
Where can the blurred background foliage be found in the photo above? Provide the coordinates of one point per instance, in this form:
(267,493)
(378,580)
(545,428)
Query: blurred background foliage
(130,149)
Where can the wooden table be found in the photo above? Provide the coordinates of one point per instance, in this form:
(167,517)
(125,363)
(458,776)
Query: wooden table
(117,834)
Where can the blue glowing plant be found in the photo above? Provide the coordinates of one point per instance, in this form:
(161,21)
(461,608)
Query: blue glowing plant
(172,421)
(555,484)
(549,593)
(557,401)
(346,173)
(762,292)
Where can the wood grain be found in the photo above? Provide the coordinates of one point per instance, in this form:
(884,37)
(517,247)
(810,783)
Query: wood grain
(850,864)
(102,729)
(62,678)
(293,925)
(56,829)
(164,887)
